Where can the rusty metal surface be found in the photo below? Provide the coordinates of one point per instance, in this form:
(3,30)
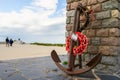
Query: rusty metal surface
(71,69)
(95,60)
(55,56)
(91,64)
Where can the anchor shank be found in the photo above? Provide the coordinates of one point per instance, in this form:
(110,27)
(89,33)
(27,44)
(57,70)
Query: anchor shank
(71,61)
(78,43)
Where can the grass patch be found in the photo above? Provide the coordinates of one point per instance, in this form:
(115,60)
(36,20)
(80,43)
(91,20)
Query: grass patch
(48,44)
(65,63)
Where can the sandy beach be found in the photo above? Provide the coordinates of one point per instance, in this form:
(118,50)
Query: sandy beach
(18,51)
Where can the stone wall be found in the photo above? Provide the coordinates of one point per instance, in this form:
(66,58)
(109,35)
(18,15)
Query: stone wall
(103,33)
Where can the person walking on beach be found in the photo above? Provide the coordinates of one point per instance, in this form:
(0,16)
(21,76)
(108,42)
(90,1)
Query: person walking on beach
(7,42)
(11,42)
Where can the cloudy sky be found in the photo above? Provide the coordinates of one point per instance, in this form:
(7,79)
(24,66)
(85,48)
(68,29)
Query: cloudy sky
(33,20)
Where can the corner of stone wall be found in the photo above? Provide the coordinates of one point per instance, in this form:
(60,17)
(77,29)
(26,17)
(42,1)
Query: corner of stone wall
(103,33)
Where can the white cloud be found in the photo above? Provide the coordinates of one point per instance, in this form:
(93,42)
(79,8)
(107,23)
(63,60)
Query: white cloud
(46,4)
(34,17)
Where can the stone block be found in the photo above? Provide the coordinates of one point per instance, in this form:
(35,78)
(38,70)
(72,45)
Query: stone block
(115,13)
(108,23)
(96,24)
(111,60)
(104,50)
(119,50)
(97,7)
(100,67)
(114,32)
(84,2)
(109,50)
(114,50)
(70,13)
(119,6)
(110,41)
(68,7)
(91,2)
(72,20)
(113,69)
(89,41)
(66,34)
(119,58)
(73,5)
(68,20)
(87,57)
(102,32)
(90,33)
(103,15)
(92,49)
(95,41)
(111,4)
(69,27)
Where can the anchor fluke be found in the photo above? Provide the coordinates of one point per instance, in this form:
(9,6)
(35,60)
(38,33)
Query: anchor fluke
(55,57)
(90,65)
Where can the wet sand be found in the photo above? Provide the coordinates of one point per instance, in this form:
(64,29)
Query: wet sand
(27,51)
